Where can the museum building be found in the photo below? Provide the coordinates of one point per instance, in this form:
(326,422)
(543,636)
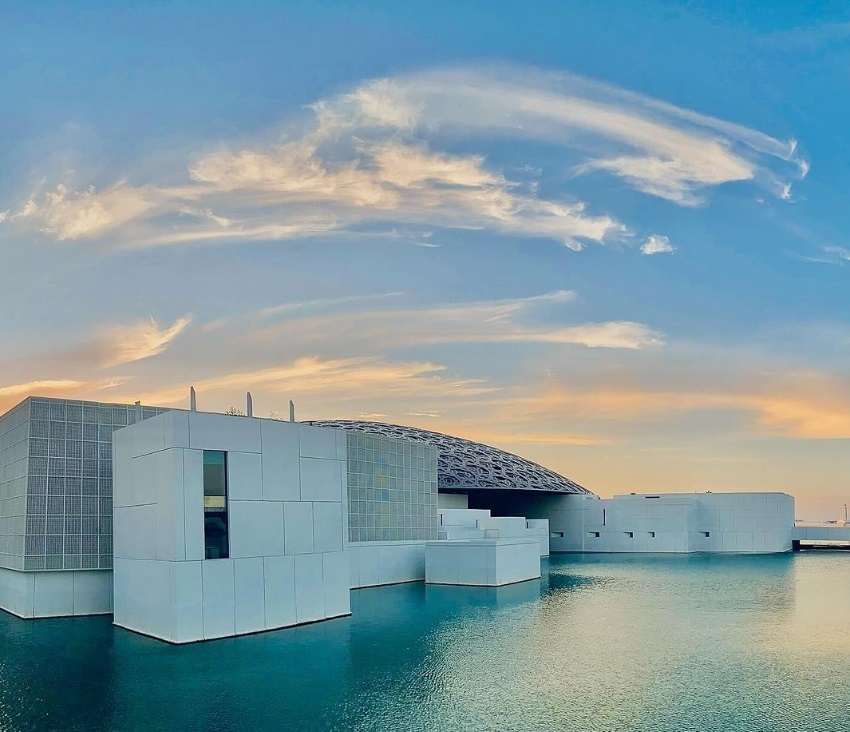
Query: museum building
(190,526)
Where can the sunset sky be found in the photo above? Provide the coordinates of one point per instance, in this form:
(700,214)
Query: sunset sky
(611,237)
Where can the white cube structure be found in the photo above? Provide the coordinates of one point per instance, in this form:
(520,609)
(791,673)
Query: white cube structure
(279,555)
(482,562)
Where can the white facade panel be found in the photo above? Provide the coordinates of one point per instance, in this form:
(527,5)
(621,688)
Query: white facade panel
(210,432)
(280,461)
(279,583)
(318,442)
(328,527)
(298,528)
(193,503)
(245,476)
(256,528)
(250,595)
(321,480)
(309,588)
(336,584)
(170,527)
(187,596)
(218,598)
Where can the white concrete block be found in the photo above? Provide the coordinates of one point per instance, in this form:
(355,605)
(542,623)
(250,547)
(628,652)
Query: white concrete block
(327,527)
(279,583)
(468,517)
(249,595)
(219,601)
(223,432)
(309,588)
(255,528)
(318,442)
(298,528)
(320,480)
(281,461)
(244,476)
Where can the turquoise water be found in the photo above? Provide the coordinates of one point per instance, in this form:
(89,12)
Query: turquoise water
(599,643)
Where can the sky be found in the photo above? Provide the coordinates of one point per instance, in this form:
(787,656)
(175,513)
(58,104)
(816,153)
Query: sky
(609,237)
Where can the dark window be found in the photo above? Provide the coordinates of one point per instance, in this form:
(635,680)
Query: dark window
(215,504)
(593,534)
(651,534)
(603,517)
(630,534)
(705,533)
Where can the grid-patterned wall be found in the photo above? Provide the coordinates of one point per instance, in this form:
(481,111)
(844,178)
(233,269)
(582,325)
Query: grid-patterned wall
(392,489)
(69,482)
(14,449)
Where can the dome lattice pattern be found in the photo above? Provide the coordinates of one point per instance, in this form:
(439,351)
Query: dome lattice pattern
(466,464)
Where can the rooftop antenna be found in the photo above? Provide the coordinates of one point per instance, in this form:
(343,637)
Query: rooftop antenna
(250,406)
(291,411)
(193,403)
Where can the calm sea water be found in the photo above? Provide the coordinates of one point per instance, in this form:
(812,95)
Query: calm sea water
(599,643)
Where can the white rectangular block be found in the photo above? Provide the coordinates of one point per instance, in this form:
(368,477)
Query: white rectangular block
(484,562)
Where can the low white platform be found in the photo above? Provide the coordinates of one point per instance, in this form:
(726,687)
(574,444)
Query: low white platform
(482,562)
(56,594)
(375,563)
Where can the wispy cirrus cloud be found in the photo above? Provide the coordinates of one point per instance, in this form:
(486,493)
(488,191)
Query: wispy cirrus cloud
(796,404)
(657,244)
(120,344)
(334,381)
(388,153)
(514,320)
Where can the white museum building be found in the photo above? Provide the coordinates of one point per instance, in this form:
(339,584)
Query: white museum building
(190,526)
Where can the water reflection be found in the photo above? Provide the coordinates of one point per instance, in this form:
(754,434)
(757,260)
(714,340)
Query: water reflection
(599,642)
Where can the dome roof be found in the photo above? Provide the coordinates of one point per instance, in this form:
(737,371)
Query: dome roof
(465,464)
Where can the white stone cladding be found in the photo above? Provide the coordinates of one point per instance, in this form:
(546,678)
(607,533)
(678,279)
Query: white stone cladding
(746,523)
(287,517)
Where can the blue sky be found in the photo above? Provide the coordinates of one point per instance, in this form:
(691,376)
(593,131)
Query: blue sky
(610,237)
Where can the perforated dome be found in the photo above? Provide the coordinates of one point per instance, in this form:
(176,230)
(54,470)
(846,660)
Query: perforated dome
(465,464)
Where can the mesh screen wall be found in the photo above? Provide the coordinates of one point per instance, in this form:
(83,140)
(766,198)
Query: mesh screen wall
(14,451)
(392,489)
(69,482)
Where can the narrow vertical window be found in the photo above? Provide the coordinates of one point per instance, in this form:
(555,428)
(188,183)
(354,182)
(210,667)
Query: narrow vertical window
(215,504)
